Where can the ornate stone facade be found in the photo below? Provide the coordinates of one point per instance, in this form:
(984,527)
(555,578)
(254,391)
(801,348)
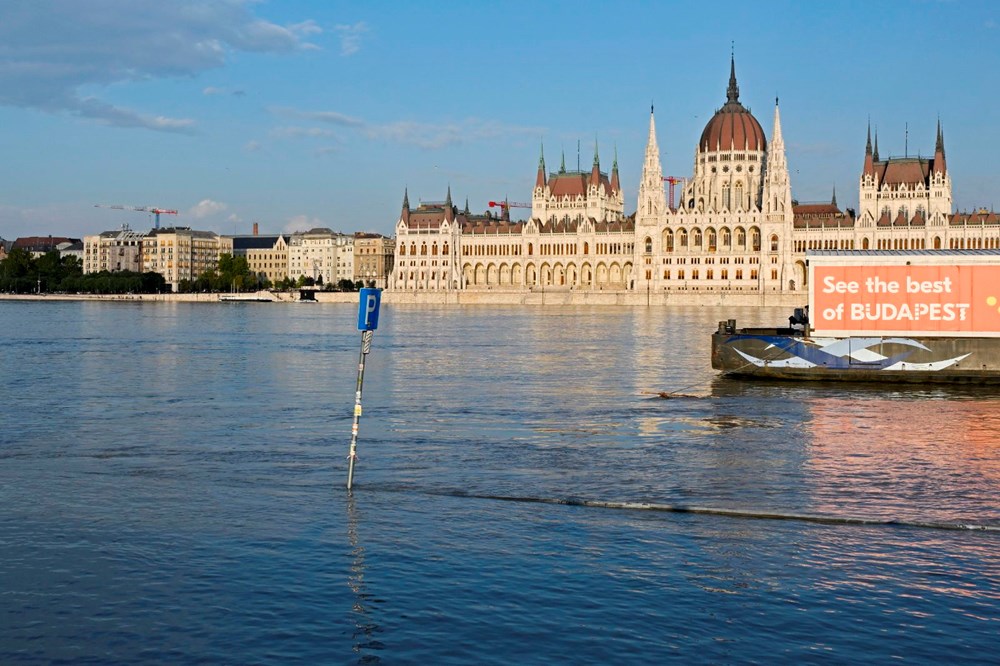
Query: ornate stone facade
(736,228)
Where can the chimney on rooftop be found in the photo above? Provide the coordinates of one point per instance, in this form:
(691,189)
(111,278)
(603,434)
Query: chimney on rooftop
(254,228)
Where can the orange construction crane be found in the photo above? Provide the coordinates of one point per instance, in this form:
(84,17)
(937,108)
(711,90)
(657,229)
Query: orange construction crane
(673,180)
(143,209)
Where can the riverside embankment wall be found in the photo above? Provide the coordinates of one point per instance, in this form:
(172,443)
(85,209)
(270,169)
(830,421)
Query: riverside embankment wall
(551,298)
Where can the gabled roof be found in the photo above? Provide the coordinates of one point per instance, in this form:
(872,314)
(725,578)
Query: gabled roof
(575,183)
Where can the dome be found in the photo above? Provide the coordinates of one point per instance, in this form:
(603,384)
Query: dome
(733,127)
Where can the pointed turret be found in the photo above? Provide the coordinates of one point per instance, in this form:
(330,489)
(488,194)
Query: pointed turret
(652,201)
(869,169)
(449,208)
(875,156)
(939,161)
(615,185)
(540,176)
(833,201)
(595,171)
(406,205)
(777,185)
(562,164)
(466,211)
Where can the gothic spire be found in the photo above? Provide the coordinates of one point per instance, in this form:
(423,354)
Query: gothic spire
(597,161)
(562,164)
(447,202)
(834,201)
(875,156)
(406,198)
(540,176)
(869,169)
(939,159)
(652,202)
(615,184)
(733,91)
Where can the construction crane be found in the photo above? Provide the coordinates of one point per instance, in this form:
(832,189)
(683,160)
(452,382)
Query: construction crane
(673,180)
(505,207)
(142,209)
(509,204)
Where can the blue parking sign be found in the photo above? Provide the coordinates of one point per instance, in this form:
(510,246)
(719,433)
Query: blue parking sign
(368,309)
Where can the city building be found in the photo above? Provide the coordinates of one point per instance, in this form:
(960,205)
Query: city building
(113,251)
(373,258)
(180,253)
(267,255)
(577,238)
(734,228)
(41,245)
(321,254)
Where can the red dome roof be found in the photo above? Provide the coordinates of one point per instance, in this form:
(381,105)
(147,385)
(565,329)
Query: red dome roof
(733,127)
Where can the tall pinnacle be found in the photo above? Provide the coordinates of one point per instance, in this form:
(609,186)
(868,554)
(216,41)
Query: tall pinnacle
(834,201)
(562,164)
(733,91)
(868,144)
(406,198)
(875,156)
(596,159)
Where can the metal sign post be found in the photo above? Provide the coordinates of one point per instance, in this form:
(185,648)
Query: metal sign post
(367,323)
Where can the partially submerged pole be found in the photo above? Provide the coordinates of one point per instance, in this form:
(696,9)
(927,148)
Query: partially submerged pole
(367,323)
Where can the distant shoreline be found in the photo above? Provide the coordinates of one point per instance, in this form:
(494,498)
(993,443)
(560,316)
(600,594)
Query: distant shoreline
(491,297)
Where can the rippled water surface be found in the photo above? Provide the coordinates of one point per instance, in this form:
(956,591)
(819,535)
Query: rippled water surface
(172,490)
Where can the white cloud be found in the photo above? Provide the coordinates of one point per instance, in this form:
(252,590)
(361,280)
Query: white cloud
(301,223)
(298,132)
(252,146)
(211,91)
(206,208)
(350,37)
(423,135)
(52,49)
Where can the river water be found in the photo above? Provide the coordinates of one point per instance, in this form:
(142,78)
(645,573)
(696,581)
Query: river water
(172,489)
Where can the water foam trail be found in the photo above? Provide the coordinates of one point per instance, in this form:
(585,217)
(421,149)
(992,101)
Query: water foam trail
(728,513)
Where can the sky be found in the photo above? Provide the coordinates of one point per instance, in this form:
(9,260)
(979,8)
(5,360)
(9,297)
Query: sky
(297,114)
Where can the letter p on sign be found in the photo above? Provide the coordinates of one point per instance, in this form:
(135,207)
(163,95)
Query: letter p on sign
(368,309)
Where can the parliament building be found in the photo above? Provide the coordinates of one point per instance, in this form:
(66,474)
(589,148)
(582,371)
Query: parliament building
(735,228)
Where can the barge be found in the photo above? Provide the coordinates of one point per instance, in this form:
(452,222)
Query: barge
(901,316)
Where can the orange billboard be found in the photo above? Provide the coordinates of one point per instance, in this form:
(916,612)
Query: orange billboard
(898,299)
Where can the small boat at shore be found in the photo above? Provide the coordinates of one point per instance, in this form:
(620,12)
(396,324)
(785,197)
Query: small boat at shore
(901,316)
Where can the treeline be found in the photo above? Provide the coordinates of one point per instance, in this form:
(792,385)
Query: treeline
(21,273)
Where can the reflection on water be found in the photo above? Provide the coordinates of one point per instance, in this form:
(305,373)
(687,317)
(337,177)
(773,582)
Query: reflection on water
(171,477)
(366,628)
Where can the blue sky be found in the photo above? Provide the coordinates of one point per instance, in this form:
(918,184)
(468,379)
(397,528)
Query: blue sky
(297,114)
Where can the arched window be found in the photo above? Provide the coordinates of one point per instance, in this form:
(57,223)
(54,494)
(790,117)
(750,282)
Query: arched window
(696,238)
(725,196)
(711,240)
(649,245)
(530,249)
(444,250)
(755,239)
(739,196)
(774,242)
